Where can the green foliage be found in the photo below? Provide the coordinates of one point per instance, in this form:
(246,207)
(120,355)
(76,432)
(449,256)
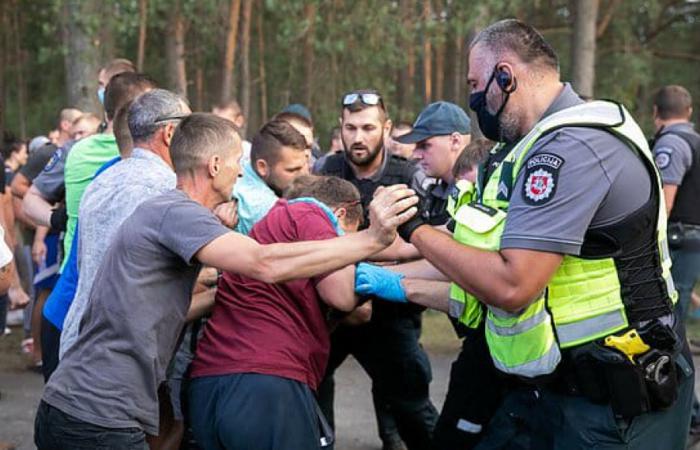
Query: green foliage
(359,43)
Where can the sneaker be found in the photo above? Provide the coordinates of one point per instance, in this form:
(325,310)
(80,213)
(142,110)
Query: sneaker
(7,331)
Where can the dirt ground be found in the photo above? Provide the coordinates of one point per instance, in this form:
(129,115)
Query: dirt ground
(20,390)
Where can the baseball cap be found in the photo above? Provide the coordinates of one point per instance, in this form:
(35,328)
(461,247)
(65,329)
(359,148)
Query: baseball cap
(37,143)
(438,119)
(299,110)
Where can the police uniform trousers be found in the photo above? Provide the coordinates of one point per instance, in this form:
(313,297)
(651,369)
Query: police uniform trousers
(387,348)
(532,418)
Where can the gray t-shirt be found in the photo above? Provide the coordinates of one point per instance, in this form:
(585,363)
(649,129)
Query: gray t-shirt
(572,180)
(137,309)
(673,154)
(50,181)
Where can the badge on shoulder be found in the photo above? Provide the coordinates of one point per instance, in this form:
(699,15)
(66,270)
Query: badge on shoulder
(662,158)
(541,178)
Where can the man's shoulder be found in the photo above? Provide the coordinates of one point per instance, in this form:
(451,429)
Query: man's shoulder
(401,169)
(333,164)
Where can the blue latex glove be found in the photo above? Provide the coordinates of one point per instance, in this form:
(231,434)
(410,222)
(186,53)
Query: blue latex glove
(382,283)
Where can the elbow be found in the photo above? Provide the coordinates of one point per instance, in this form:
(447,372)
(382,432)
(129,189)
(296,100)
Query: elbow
(512,299)
(265,269)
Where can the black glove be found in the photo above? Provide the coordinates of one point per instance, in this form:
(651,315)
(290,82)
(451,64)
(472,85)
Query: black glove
(59,219)
(407,229)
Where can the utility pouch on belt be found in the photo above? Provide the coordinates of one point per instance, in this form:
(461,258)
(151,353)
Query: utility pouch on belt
(632,385)
(676,235)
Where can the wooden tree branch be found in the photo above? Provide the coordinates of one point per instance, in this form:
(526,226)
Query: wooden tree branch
(607,17)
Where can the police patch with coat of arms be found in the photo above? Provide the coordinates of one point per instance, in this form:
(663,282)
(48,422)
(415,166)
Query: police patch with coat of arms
(541,178)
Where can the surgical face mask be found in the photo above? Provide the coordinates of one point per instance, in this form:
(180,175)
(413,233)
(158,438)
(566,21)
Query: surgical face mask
(489,123)
(101,95)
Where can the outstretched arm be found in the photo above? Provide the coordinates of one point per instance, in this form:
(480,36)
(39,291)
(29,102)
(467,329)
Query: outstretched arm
(276,263)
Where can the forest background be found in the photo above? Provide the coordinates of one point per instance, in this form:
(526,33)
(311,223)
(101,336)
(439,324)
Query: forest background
(269,53)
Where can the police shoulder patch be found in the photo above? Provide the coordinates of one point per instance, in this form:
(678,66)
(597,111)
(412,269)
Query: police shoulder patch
(663,158)
(55,158)
(541,178)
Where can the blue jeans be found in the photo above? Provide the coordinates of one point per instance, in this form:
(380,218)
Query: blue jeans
(56,430)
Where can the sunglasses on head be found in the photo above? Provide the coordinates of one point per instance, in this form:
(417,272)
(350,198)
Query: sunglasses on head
(169,118)
(368,98)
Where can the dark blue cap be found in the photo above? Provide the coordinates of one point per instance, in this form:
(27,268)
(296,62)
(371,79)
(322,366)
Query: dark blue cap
(438,119)
(299,110)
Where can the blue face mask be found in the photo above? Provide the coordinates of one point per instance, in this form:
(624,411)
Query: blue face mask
(101,95)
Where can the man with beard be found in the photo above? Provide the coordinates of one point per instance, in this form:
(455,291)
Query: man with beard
(277,156)
(387,347)
(562,259)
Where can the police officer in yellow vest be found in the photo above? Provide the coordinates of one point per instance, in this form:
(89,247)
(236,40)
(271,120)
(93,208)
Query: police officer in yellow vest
(562,256)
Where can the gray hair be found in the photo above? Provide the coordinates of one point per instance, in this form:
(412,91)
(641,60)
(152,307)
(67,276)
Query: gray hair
(149,107)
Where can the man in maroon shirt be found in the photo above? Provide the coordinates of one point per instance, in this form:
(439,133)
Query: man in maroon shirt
(266,346)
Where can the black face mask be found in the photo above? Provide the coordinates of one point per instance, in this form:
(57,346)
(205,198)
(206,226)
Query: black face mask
(489,124)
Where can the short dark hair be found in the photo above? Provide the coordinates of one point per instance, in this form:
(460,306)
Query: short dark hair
(292,117)
(198,137)
(673,102)
(10,145)
(521,39)
(333,192)
(472,155)
(274,135)
(123,88)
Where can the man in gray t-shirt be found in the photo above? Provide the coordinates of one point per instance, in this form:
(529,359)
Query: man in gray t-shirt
(104,392)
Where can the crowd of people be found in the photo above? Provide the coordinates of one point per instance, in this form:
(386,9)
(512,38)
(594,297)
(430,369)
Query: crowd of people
(186,288)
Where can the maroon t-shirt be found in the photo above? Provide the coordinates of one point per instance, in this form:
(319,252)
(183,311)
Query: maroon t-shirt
(273,329)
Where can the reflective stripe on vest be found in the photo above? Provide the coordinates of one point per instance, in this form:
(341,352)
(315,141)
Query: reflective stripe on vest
(583,300)
(522,344)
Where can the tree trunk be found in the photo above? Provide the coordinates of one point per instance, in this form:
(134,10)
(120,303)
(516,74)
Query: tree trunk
(230,50)
(175,51)
(427,55)
(440,50)
(406,77)
(3,53)
(261,65)
(458,61)
(583,42)
(19,73)
(245,61)
(143,22)
(308,52)
(81,56)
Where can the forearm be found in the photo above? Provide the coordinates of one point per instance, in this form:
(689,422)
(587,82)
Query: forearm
(428,293)
(37,208)
(491,276)
(40,233)
(422,269)
(282,262)
(400,250)
(202,303)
